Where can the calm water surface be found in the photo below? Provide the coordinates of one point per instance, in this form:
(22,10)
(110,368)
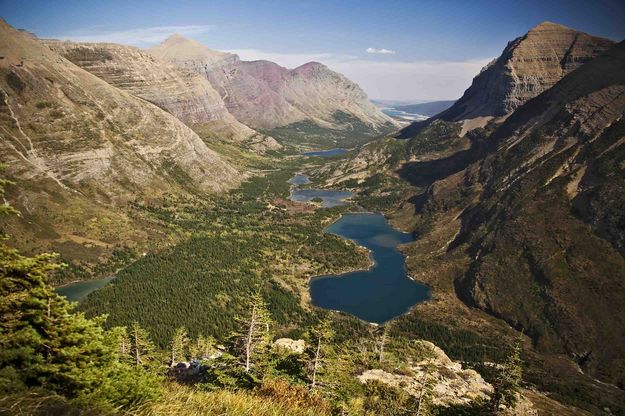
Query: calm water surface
(299,179)
(329,197)
(327,153)
(381,293)
(77,291)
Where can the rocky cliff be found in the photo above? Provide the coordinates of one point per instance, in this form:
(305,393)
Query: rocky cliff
(527,66)
(185,94)
(63,123)
(265,95)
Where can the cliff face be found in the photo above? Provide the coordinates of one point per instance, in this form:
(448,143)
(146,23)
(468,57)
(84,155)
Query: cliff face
(184,94)
(528,66)
(539,203)
(265,95)
(62,123)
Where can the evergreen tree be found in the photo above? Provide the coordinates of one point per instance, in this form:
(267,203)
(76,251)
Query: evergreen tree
(424,402)
(202,347)
(46,346)
(121,343)
(383,341)
(179,347)
(142,350)
(508,380)
(255,333)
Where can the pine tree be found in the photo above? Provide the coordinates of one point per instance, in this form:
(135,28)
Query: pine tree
(423,406)
(179,347)
(202,348)
(508,380)
(141,348)
(320,336)
(383,341)
(45,345)
(255,334)
(121,343)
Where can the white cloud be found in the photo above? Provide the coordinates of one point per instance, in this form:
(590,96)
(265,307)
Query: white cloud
(389,80)
(138,37)
(382,51)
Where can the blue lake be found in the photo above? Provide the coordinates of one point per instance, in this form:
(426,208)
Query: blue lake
(78,290)
(329,197)
(381,293)
(327,153)
(299,179)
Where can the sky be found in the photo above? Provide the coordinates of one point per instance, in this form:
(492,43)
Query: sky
(395,50)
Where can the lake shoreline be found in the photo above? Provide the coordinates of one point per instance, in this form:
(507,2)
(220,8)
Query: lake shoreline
(381,292)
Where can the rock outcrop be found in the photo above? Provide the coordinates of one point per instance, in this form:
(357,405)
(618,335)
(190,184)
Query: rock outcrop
(185,94)
(448,381)
(296,346)
(265,95)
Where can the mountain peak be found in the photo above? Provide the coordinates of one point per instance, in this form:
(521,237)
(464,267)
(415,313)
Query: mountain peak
(539,59)
(180,48)
(549,26)
(310,68)
(176,38)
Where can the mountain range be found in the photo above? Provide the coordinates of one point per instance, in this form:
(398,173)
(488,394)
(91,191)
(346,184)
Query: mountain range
(185,94)
(265,95)
(100,127)
(514,193)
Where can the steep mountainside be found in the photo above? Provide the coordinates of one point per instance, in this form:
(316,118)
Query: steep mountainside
(78,146)
(184,94)
(528,65)
(540,217)
(265,95)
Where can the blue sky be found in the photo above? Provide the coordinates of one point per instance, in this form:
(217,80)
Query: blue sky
(394,49)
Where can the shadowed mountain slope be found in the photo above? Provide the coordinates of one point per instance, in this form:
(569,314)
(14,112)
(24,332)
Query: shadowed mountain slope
(542,221)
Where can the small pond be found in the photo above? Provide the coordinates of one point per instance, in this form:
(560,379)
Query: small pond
(329,197)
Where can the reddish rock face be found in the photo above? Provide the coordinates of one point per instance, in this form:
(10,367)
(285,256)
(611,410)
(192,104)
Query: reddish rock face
(528,66)
(265,95)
